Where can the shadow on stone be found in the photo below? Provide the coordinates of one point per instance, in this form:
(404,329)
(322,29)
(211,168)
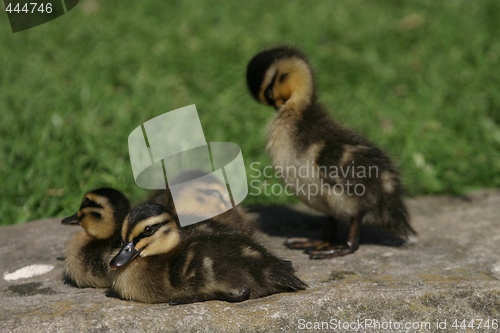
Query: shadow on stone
(111,294)
(30,289)
(287,222)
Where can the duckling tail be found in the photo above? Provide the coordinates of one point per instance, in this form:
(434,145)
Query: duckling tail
(398,219)
(295,284)
(285,277)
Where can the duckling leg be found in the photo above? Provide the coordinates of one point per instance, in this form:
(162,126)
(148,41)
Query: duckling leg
(328,237)
(340,250)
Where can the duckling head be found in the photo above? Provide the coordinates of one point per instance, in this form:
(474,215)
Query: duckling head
(148,230)
(280,75)
(203,196)
(101,213)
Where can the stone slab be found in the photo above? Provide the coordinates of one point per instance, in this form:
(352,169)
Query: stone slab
(451,273)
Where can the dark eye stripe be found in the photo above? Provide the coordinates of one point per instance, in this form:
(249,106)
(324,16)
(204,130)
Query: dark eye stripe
(213,193)
(89,203)
(96,214)
(268,93)
(283,77)
(155,229)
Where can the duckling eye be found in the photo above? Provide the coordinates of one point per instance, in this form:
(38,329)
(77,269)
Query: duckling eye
(148,231)
(269,93)
(283,77)
(86,201)
(211,193)
(214,193)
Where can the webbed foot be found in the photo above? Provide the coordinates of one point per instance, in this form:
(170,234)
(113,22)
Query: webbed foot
(330,252)
(304,243)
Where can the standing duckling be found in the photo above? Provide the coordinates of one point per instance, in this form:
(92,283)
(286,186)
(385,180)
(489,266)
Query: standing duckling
(160,262)
(205,196)
(330,168)
(88,253)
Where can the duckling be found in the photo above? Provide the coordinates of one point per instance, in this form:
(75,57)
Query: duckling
(161,262)
(88,253)
(205,195)
(330,168)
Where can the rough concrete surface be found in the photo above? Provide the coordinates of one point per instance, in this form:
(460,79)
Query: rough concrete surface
(451,273)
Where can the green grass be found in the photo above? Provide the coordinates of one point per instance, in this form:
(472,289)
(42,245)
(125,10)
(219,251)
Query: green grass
(419,78)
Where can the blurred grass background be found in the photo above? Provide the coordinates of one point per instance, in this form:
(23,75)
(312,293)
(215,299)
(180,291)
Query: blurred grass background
(419,78)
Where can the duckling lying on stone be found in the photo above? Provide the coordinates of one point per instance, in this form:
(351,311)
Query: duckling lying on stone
(88,253)
(161,262)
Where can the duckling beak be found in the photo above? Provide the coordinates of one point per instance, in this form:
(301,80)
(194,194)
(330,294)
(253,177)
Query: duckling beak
(126,254)
(71,220)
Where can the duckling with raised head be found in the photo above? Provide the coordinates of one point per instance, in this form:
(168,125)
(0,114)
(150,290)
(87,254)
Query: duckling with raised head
(205,195)
(88,253)
(348,178)
(160,262)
